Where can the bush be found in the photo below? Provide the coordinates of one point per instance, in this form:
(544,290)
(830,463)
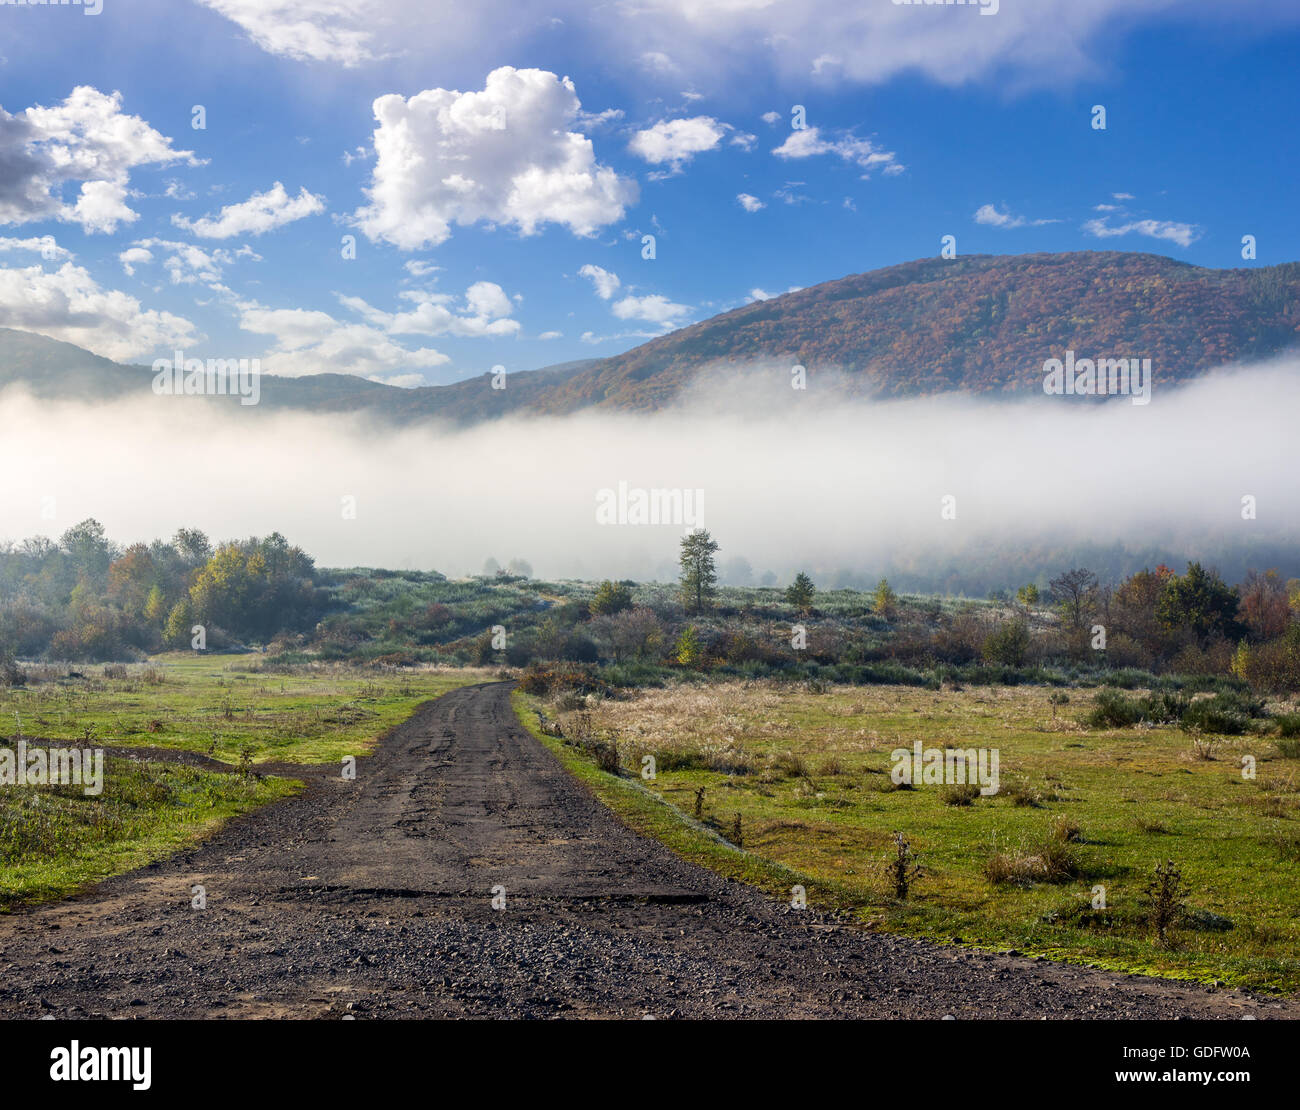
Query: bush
(11,674)
(1009,645)
(963,794)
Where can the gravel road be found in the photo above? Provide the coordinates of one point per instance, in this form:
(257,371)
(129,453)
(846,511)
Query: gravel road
(375,898)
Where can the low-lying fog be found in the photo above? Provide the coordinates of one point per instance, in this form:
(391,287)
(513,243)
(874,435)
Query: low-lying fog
(790,478)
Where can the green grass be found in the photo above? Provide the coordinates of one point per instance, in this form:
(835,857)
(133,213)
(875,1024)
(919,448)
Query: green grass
(222,705)
(56,840)
(817,801)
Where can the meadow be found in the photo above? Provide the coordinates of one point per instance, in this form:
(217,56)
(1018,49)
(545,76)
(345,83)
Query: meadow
(55,840)
(799,775)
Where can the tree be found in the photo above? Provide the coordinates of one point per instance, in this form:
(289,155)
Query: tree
(699,581)
(884,599)
(520,568)
(800,593)
(1265,610)
(491,568)
(193,546)
(1073,592)
(180,621)
(1201,602)
(1027,595)
(689,652)
(87,549)
(611,597)
(1008,645)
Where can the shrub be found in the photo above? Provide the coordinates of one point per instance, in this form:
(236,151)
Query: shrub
(1009,645)
(1165,893)
(903,868)
(962,794)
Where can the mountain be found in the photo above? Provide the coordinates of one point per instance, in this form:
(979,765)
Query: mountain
(982,324)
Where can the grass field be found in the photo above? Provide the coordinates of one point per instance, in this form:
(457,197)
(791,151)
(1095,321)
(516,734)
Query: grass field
(56,840)
(1078,808)
(225,706)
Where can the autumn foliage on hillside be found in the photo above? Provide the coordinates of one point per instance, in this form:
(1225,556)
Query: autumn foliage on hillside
(981,324)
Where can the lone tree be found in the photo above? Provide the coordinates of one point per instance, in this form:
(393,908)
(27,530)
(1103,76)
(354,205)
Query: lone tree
(1073,591)
(885,599)
(699,574)
(800,593)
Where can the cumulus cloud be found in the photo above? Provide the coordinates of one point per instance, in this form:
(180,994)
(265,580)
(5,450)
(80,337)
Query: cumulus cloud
(185,263)
(677,141)
(260,213)
(484,311)
(308,341)
(652,308)
(808,142)
(85,140)
(504,155)
(605,281)
(749,203)
(69,304)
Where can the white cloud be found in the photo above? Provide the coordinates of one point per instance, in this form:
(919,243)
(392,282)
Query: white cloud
(605,281)
(133,257)
(418,269)
(484,311)
(185,263)
(658,63)
(1182,234)
(505,155)
(1046,42)
(260,213)
(69,304)
(757,294)
(749,203)
(307,30)
(86,139)
(771,117)
(44,246)
(677,141)
(989,216)
(652,308)
(809,143)
(312,342)
(551,335)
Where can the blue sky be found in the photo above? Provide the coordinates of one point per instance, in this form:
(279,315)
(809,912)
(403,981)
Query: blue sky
(498,214)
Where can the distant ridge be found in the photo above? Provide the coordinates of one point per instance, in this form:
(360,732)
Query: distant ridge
(980,325)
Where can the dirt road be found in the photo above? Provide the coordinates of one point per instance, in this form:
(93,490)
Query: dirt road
(375,898)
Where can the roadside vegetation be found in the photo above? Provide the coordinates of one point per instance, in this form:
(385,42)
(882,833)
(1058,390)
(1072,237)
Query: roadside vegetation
(232,709)
(1083,810)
